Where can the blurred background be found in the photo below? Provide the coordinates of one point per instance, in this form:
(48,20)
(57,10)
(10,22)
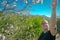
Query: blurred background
(21,19)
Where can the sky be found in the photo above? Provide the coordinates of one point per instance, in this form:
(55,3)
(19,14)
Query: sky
(44,9)
(37,9)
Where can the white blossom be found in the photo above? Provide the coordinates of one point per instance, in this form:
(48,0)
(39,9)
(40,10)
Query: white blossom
(26,1)
(2,37)
(37,1)
(4,2)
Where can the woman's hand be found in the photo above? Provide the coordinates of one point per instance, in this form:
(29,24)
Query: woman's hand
(54,3)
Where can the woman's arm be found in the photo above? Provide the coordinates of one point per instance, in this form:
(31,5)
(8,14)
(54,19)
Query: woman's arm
(53,18)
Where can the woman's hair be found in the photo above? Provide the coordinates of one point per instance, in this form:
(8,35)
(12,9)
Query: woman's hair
(44,21)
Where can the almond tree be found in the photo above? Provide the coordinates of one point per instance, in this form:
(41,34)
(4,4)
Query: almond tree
(11,5)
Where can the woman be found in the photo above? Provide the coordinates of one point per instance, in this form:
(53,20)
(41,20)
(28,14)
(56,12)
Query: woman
(51,33)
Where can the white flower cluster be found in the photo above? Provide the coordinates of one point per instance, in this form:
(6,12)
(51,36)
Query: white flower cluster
(35,1)
(2,37)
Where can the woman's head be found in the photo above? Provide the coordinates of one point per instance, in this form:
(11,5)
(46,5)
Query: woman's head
(45,25)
